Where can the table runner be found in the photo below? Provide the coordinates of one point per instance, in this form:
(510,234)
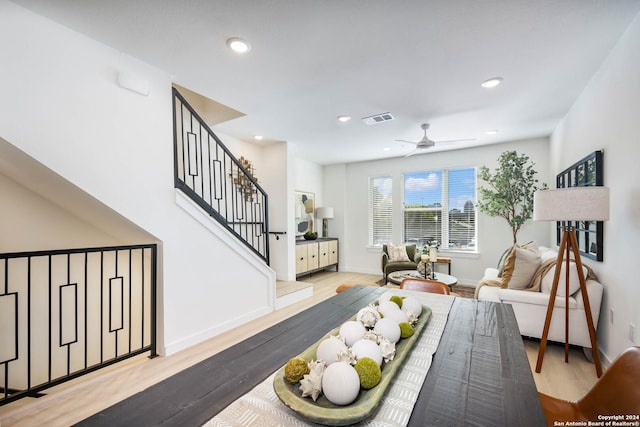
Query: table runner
(262,407)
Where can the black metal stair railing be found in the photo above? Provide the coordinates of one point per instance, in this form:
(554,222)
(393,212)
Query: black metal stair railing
(208,173)
(65,313)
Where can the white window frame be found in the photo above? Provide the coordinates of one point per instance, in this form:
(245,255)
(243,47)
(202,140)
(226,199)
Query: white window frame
(442,210)
(372,214)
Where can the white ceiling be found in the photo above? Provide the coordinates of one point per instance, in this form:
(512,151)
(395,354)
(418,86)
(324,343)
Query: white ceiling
(421,60)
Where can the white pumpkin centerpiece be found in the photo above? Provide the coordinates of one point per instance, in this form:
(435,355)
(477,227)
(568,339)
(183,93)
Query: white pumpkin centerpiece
(411,304)
(352,331)
(329,350)
(340,383)
(367,348)
(389,329)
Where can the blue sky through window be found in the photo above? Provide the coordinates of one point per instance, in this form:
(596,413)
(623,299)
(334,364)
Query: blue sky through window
(425,188)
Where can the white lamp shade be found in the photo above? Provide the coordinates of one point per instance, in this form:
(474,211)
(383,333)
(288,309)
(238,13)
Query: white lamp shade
(324,213)
(571,204)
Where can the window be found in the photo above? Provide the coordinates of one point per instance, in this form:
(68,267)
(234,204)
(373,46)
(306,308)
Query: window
(380,205)
(440,206)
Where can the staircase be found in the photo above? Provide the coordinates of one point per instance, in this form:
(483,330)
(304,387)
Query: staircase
(219,183)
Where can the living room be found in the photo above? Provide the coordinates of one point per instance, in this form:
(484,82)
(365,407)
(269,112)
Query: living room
(58,109)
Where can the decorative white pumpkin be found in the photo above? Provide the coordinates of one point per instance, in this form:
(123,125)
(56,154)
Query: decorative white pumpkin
(389,329)
(340,383)
(329,349)
(413,305)
(352,331)
(387,308)
(399,316)
(367,348)
(385,297)
(390,310)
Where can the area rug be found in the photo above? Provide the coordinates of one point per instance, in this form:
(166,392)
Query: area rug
(463,291)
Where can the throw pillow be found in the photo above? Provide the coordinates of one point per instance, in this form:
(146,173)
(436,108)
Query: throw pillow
(547,254)
(532,246)
(397,253)
(574,281)
(520,266)
(502,260)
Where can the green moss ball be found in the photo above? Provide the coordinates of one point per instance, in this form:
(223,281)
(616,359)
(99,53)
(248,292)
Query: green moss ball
(369,372)
(295,370)
(397,300)
(406,330)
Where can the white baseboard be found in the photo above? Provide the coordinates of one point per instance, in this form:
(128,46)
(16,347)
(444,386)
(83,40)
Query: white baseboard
(213,331)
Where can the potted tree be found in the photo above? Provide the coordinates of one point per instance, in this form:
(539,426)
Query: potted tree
(509,190)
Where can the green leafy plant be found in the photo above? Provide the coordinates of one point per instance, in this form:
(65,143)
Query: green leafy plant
(509,190)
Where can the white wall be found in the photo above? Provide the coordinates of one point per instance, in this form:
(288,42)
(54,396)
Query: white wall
(30,222)
(346,186)
(308,177)
(606,117)
(276,177)
(335,196)
(61,106)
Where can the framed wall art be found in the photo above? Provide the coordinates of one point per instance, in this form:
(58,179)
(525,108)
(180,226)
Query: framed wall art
(588,171)
(305,206)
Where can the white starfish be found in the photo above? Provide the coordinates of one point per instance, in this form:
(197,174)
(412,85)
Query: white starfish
(311,383)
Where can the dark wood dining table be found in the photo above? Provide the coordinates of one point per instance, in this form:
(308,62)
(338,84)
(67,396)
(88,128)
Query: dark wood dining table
(480,375)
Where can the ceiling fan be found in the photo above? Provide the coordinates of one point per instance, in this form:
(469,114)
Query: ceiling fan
(425,143)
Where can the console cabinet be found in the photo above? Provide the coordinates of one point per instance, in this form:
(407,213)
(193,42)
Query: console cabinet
(316,255)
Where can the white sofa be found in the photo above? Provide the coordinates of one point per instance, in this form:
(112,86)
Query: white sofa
(530,307)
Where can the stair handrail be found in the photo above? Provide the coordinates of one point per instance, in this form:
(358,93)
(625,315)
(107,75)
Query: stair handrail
(257,242)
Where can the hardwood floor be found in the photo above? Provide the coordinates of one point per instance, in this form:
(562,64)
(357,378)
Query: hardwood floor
(75,400)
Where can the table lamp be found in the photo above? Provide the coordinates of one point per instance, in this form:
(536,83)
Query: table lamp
(433,257)
(570,204)
(325,214)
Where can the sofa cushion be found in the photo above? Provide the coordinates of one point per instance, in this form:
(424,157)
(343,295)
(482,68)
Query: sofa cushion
(547,254)
(397,253)
(574,281)
(513,296)
(520,266)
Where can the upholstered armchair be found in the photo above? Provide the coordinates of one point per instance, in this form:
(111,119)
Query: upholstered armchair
(389,266)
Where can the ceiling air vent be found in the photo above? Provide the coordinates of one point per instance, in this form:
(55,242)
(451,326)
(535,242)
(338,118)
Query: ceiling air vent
(378,118)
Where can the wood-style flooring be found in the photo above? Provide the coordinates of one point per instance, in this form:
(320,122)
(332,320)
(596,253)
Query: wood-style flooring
(75,400)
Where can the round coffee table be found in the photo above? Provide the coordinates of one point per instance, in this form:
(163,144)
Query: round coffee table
(397,276)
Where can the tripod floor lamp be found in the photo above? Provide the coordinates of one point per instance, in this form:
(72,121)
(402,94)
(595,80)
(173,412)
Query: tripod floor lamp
(573,204)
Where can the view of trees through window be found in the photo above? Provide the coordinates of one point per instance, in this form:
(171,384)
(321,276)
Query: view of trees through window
(440,207)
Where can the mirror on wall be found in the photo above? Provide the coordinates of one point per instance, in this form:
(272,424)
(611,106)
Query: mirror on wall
(585,172)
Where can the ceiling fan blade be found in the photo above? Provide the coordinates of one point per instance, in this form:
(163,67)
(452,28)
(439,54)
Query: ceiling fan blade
(457,140)
(404,140)
(411,153)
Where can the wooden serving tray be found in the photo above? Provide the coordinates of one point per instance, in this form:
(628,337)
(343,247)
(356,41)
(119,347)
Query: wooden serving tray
(324,412)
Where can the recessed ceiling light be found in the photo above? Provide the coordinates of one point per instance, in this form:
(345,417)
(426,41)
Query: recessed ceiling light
(344,119)
(491,132)
(238,45)
(258,137)
(387,149)
(492,82)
